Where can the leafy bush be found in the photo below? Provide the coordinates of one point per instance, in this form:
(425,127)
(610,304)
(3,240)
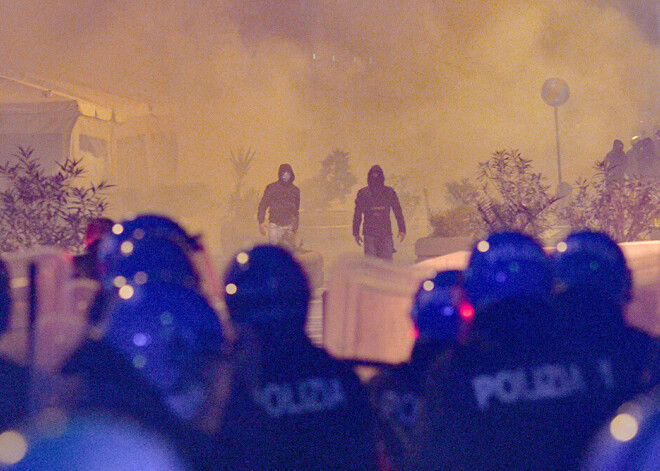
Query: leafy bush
(461,219)
(507,195)
(622,208)
(242,202)
(513,197)
(37,208)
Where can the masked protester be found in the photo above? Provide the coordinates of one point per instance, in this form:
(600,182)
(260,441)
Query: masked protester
(441,315)
(518,395)
(292,405)
(374,203)
(282,201)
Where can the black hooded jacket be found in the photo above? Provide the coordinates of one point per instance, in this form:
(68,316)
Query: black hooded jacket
(375,201)
(282,199)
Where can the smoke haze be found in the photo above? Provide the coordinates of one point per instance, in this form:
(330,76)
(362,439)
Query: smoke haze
(425,88)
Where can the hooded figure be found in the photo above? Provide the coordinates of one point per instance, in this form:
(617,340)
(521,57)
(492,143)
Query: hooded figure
(282,200)
(375,201)
(617,161)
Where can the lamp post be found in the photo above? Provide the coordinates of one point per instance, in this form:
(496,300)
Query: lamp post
(555,92)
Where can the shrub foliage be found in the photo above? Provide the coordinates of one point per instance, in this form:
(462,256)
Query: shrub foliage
(622,208)
(39,208)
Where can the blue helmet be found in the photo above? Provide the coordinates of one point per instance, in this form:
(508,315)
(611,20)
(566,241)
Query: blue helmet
(507,265)
(440,308)
(151,247)
(593,263)
(267,284)
(158,226)
(170,334)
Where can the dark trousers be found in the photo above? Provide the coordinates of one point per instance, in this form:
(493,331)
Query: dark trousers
(381,247)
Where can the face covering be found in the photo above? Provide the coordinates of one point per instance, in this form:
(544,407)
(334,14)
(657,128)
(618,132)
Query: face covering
(286,177)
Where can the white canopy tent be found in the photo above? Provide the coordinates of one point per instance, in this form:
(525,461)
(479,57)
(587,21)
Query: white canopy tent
(130,143)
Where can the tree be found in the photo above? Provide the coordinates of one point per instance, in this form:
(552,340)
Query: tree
(511,196)
(408,199)
(242,203)
(461,219)
(334,181)
(239,223)
(623,208)
(37,208)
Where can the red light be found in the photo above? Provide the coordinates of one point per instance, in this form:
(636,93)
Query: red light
(466,310)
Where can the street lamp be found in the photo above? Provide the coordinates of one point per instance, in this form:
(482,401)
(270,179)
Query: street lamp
(555,92)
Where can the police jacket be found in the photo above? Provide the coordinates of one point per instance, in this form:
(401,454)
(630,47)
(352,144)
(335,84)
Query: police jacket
(282,200)
(109,382)
(527,402)
(297,408)
(396,394)
(14,393)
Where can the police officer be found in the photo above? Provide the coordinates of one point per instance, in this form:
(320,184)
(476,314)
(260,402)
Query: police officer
(86,265)
(292,406)
(14,378)
(441,315)
(593,287)
(156,347)
(630,439)
(519,396)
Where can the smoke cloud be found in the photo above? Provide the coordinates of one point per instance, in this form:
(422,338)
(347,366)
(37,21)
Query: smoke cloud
(425,88)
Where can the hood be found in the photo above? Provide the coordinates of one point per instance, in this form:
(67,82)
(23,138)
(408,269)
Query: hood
(375,177)
(285,168)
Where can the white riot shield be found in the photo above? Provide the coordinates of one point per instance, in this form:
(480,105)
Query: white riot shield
(367,310)
(643,259)
(49,308)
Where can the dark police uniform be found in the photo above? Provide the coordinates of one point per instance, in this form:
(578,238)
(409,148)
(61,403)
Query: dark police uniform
(304,411)
(397,395)
(523,404)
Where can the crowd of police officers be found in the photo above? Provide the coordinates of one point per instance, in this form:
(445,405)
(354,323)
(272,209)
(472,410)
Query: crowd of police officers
(523,361)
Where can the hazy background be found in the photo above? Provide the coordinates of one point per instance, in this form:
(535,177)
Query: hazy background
(425,88)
